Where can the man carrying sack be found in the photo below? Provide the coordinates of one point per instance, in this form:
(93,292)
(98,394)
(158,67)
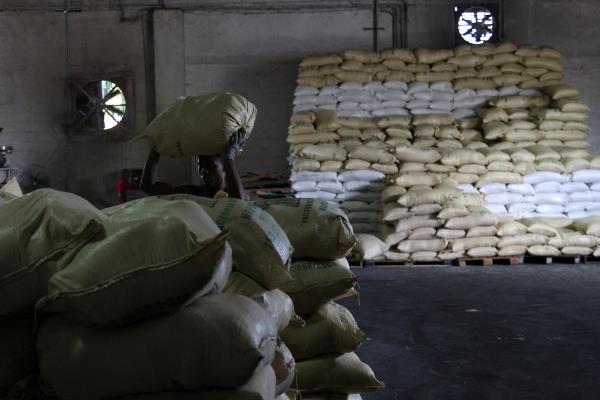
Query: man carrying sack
(214,128)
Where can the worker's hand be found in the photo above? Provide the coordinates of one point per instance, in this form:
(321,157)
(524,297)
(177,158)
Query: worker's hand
(235,146)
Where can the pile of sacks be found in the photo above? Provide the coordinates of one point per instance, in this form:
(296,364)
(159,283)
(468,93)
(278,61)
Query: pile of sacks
(548,236)
(494,122)
(429,220)
(481,67)
(378,99)
(357,193)
(322,343)
(546,194)
(100,297)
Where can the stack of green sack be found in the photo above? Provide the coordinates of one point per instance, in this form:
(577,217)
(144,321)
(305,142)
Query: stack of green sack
(323,342)
(177,297)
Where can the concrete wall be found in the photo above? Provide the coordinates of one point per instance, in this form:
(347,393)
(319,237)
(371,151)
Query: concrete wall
(253,52)
(257,56)
(32,95)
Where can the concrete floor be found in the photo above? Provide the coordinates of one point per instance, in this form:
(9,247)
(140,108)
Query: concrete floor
(485,333)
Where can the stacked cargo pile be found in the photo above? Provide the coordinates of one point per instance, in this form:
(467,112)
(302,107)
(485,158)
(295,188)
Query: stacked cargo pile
(217,269)
(494,122)
(323,343)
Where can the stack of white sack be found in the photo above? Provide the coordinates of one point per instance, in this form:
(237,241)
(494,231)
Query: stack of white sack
(481,67)
(546,194)
(393,98)
(361,198)
(316,185)
(322,237)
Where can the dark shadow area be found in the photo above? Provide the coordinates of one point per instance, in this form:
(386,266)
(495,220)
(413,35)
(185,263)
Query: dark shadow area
(493,333)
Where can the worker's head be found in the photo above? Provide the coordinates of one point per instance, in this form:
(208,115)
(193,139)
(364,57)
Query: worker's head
(211,171)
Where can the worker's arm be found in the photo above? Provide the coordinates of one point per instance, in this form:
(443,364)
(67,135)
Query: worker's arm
(235,189)
(146,183)
(162,188)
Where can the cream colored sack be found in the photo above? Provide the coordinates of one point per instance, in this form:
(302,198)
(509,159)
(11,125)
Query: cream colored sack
(324,152)
(412,246)
(372,154)
(460,157)
(411,154)
(468,243)
(517,250)
(121,279)
(38,229)
(546,251)
(278,304)
(315,228)
(479,217)
(410,223)
(332,329)
(527,239)
(512,228)
(438,195)
(318,282)
(345,373)
(226,336)
(416,179)
(482,252)
(392,193)
(369,247)
(260,247)
(202,125)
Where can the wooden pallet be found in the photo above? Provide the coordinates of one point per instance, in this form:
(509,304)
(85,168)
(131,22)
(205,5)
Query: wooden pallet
(387,263)
(529,259)
(481,261)
(591,259)
(487,261)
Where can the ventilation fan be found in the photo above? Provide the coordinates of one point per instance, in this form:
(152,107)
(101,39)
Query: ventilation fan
(477,24)
(98,106)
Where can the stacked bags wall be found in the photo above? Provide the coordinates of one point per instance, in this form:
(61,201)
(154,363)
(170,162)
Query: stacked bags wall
(494,121)
(178,275)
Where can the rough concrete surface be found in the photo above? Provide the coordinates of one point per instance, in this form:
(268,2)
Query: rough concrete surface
(523,332)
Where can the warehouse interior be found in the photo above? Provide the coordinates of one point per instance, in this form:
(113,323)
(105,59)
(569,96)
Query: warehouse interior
(421,272)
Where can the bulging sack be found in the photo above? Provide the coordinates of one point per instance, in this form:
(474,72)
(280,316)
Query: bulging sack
(315,228)
(260,246)
(332,329)
(226,336)
(122,279)
(344,374)
(318,282)
(201,125)
(369,247)
(39,229)
(278,304)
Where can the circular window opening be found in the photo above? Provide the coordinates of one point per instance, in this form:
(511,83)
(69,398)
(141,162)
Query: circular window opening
(476,25)
(113,104)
